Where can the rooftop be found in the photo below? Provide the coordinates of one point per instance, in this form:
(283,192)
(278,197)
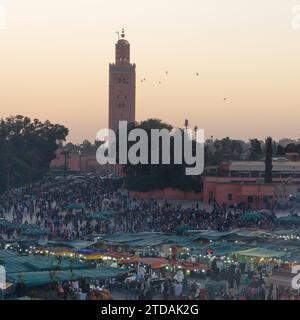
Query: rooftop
(279,166)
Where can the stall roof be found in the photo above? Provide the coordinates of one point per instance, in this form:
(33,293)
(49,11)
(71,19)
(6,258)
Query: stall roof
(32,279)
(15,264)
(262,253)
(155,263)
(7,254)
(187,240)
(138,239)
(81,244)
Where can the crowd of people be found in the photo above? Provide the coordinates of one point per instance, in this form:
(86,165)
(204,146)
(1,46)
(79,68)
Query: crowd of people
(151,215)
(47,204)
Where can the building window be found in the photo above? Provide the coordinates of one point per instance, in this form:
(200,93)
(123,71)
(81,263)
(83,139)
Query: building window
(124,81)
(250,199)
(229,196)
(254,174)
(120,80)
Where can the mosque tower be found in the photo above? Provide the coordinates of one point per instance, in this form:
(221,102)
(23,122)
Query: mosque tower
(122,84)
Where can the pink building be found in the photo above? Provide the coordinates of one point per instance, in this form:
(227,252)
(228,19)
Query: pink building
(168,194)
(78,163)
(242,182)
(251,194)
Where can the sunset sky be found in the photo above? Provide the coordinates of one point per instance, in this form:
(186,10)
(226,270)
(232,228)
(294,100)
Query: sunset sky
(54,58)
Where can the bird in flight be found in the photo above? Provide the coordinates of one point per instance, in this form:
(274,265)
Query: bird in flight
(167,72)
(159,82)
(197,74)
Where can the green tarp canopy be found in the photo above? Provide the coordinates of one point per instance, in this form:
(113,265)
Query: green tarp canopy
(222,249)
(261,253)
(80,244)
(289,219)
(4,223)
(15,226)
(286,232)
(229,235)
(102,215)
(178,240)
(258,234)
(75,206)
(7,254)
(97,216)
(143,239)
(33,279)
(138,239)
(156,238)
(29,226)
(188,239)
(209,234)
(34,232)
(15,264)
(219,249)
(110,212)
(251,216)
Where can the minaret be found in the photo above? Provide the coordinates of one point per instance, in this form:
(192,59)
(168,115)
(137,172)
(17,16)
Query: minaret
(122,84)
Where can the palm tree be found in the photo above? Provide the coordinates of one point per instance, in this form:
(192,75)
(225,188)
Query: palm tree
(269,161)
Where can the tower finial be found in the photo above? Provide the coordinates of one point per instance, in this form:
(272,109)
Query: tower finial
(123,33)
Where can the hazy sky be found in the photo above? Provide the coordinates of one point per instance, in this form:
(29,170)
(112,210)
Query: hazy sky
(54,58)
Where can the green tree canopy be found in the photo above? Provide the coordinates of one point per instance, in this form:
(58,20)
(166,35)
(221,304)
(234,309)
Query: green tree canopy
(145,177)
(225,149)
(26,149)
(256,152)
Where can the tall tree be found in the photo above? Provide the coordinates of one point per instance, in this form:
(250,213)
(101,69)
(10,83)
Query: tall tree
(291,148)
(225,149)
(145,177)
(256,152)
(26,149)
(269,161)
(280,151)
